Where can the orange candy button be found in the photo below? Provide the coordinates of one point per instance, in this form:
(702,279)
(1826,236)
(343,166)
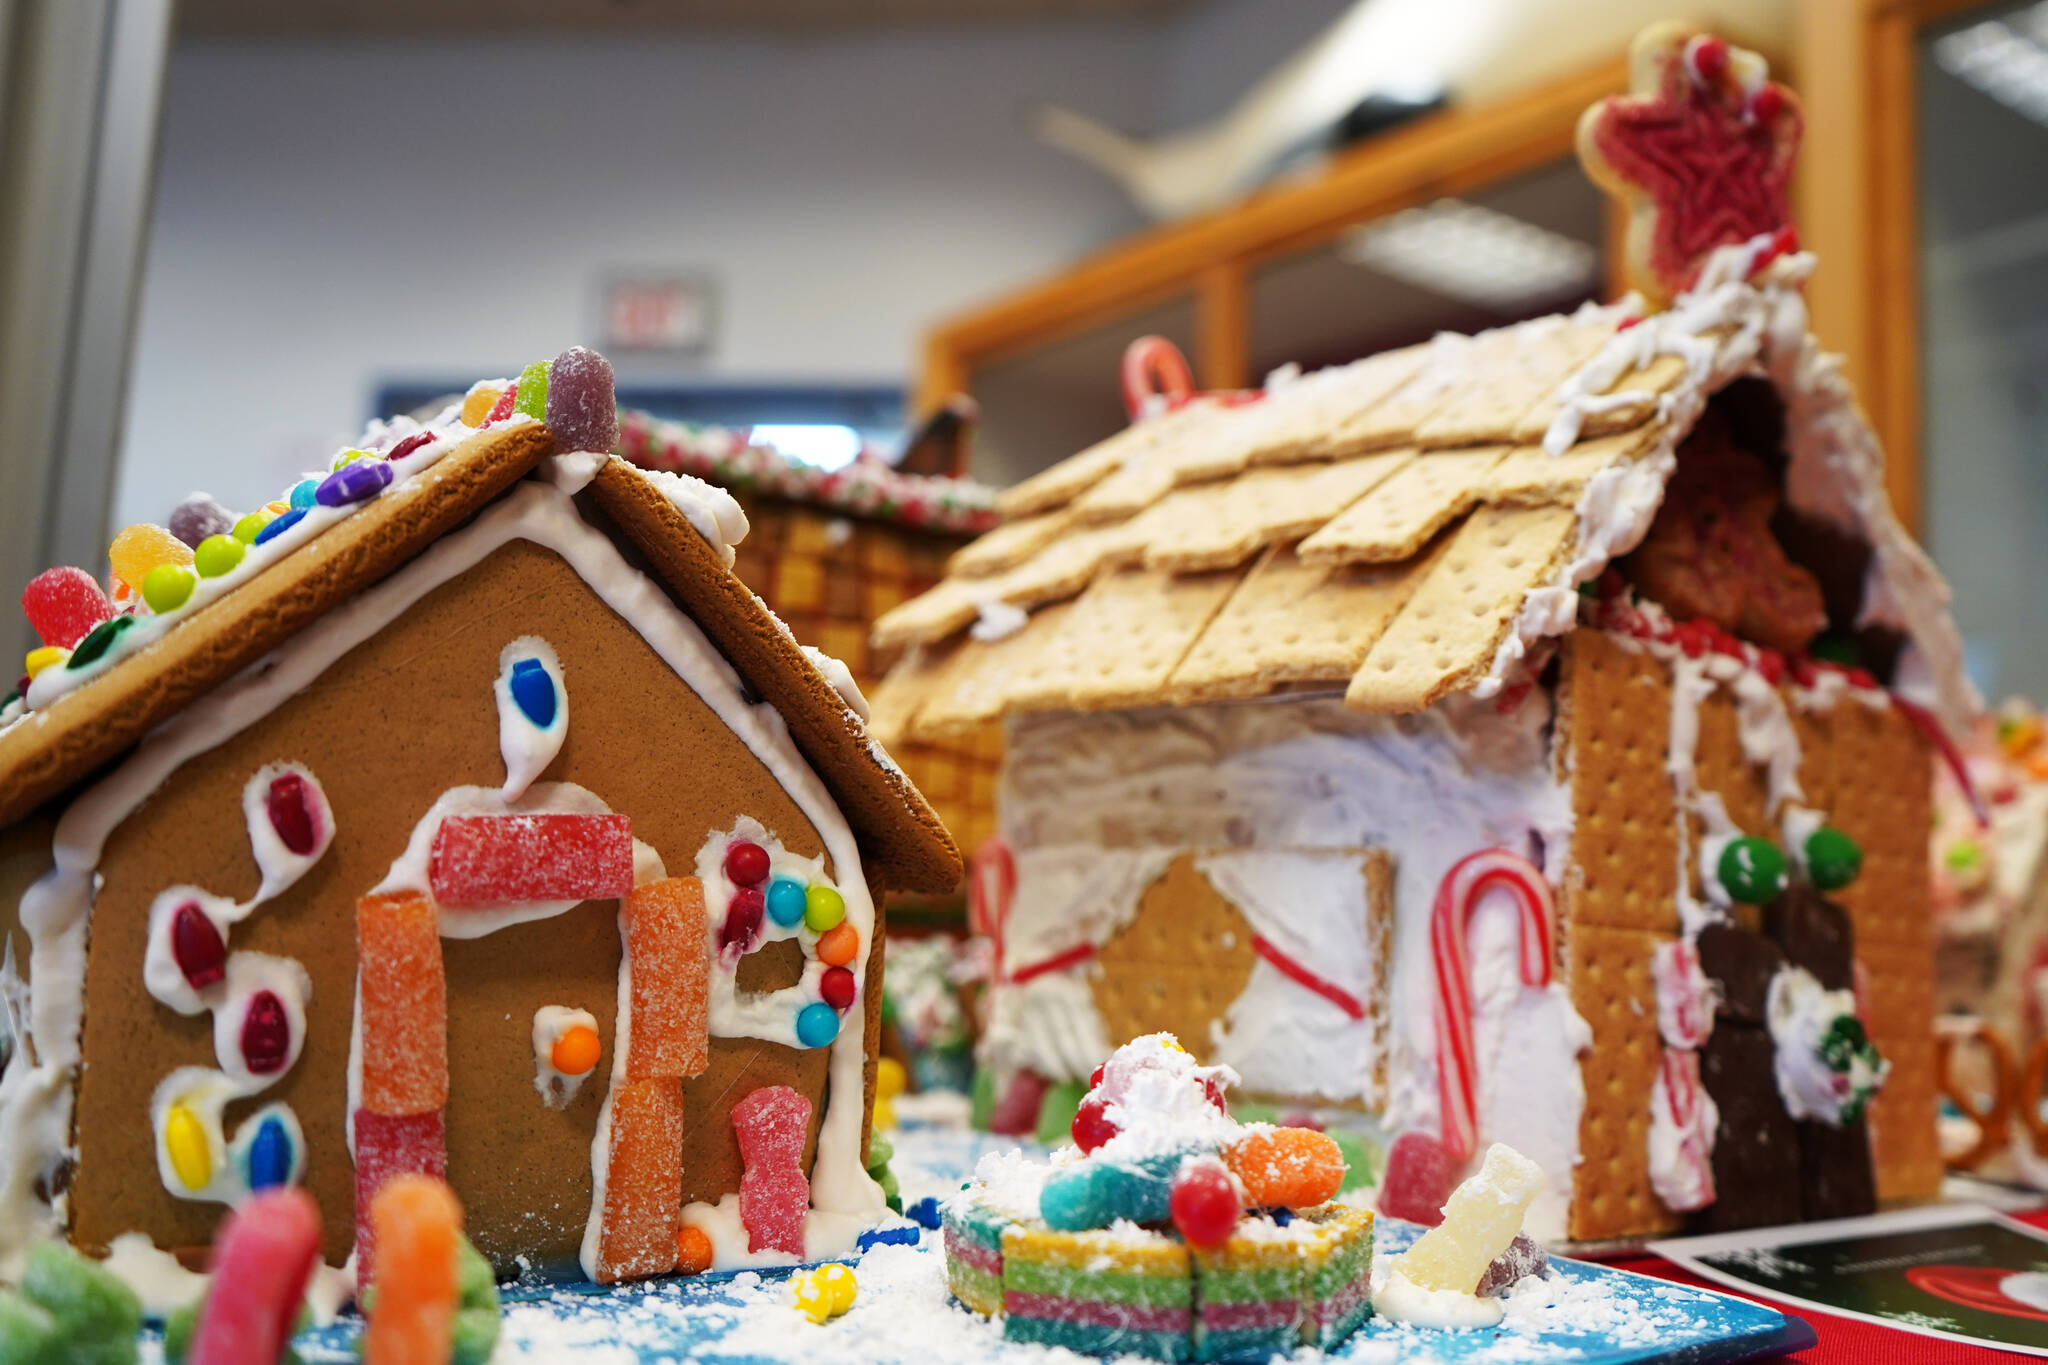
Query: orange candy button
(576,1051)
(837,945)
(693,1250)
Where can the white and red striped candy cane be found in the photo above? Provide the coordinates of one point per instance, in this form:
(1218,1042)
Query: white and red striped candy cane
(991,886)
(1457,1068)
(1154,366)
(1684,1098)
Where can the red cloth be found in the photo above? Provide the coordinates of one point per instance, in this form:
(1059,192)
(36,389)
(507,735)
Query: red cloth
(1850,1341)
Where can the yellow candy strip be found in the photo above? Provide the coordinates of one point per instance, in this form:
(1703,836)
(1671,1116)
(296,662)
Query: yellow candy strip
(40,659)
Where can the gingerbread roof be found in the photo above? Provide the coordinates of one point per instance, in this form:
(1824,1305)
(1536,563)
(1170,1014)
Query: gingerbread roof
(1407,527)
(54,747)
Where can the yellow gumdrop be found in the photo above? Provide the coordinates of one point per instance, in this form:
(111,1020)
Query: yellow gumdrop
(813,1299)
(140,548)
(40,659)
(190,1152)
(478,405)
(840,1285)
(890,1078)
(885,1113)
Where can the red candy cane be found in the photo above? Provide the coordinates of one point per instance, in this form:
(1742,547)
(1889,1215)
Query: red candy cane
(1683,1095)
(991,886)
(1154,365)
(1457,1067)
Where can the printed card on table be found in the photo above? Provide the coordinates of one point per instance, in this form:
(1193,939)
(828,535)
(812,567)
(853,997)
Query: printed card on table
(1960,1273)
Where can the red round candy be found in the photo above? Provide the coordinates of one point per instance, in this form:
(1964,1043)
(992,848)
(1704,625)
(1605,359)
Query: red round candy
(197,948)
(1095,1079)
(1213,1088)
(290,808)
(837,989)
(1710,57)
(742,920)
(1205,1202)
(266,1034)
(1092,1124)
(1768,103)
(746,864)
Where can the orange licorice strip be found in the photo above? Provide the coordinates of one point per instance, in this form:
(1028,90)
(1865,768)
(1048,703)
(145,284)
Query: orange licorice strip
(404,1007)
(643,1183)
(419,1226)
(670,966)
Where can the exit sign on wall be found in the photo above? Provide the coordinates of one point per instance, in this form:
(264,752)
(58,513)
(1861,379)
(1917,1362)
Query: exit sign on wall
(675,314)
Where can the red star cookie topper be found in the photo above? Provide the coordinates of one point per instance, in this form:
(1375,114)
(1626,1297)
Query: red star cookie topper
(1701,150)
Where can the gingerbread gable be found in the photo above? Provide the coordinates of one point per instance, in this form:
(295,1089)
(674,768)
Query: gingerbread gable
(1407,527)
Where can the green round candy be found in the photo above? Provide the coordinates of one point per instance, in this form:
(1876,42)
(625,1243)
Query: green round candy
(217,555)
(1832,858)
(247,529)
(349,457)
(167,586)
(1752,870)
(823,908)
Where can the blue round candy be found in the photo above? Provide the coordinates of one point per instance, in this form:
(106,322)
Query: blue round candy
(302,493)
(353,482)
(270,1155)
(279,524)
(534,691)
(785,901)
(817,1025)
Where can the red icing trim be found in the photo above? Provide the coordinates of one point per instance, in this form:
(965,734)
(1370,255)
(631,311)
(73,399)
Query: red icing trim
(1302,976)
(1072,957)
(1950,755)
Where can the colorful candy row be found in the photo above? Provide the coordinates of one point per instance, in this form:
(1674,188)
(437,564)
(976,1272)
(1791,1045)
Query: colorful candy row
(818,907)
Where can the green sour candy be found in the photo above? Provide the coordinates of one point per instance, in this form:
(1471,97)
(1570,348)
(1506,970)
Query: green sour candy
(28,1334)
(881,1152)
(178,1325)
(983,1099)
(533,392)
(476,1335)
(89,1303)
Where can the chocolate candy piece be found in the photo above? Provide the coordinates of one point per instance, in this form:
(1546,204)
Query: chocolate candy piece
(1815,933)
(1524,1257)
(1837,1178)
(1741,964)
(1756,1146)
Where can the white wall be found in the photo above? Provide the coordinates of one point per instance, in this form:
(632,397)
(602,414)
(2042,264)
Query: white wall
(331,215)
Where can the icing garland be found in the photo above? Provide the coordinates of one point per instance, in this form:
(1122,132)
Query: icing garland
(258,1002)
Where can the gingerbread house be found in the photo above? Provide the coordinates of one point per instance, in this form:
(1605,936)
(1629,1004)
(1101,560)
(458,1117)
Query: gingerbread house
(458,812)
(1486,735)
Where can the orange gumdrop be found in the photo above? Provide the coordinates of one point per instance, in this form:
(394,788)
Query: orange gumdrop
(576,1051)
(837,945)
(1291,1168)
(140,548)
(693,1250)
(478,405)
(418,1226)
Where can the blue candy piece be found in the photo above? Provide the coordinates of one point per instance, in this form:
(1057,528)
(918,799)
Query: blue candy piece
(925,1213)
(279,524)
(303,492)
(898,1236)
(817,1024)
(352,483)
(1280,1216)
(1096,1193)
(270,1155)
(785,901)
(534,691)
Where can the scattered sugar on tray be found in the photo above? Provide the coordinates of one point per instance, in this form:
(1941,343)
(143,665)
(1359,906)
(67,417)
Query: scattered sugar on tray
(1557,1303)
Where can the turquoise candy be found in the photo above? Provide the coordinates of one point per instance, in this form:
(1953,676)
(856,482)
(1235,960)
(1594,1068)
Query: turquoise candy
(1833,859)
(1751,870)
(302,492)
(817,1025)
(1095,1193)
(785,901)
(532,400)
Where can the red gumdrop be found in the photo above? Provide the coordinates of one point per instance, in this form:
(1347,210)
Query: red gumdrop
(742,920)
(64,604)
(1417,1180)
(1205,1202)
(266,1034)
(746,864)
(837,989)
(197,948)
(291,813)
(774,1193)
(1092,1124)
(583,406)
(1016,1113)
(502,409)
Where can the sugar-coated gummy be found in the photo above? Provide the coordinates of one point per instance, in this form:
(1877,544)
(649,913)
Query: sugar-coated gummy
(1481,1219)
(786,901)
(643,1188)
(263,1256)
(141,547)
(65,605)
(669,978)
(1095,1193)
(582,409)
(87,1301)
(385,1147)
(533,392)
(477,405)
(506,859)
(198,517)
(419,1231)
(404,1004)
(1292,1168)
(28,1333)
(774,1194)
(1418,1179)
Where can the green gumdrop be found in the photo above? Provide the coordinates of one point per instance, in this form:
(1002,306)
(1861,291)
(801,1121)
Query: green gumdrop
(178,1325)
(81,1295)
(1359,1159)
(476,1282)
(892,1193)
(982,1106)
(1832,858)
(476,1335)
(1751,870)
(881,1151)
(1056,1112)
(28,1334)
(533,391)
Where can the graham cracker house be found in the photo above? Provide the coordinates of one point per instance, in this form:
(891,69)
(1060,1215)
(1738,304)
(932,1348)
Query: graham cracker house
(455,826)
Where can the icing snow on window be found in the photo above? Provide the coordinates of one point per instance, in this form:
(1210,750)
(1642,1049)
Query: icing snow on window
(712,511)
(997,621)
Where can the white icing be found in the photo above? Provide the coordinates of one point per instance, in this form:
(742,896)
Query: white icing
(557,1087)
(826,1235)
(711,511)
(528,748)
(281,867)
(163,1285)
(841,678)
(1799,1013)
(1399,1299)
(1680,1150)
(996,619)
(161,975)
(767,1015)
(205,1093)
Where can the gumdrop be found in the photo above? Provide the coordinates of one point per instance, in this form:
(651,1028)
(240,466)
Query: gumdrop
(1017,1112)
(1481,1219)
(478,403)
(140,548)
(197,948)
(509,859)
(643,1183)
(198,517)
(403,1009)
(743,915)
(64,605)
(533,392)
(1057,1112)
(1205,1202)
(28,1332)
(1417,1180)
(502,409)
(419,1234)
(693,1250)
(1290,1168)
(266,1035)
(262,1258)
(669,978)
(95,1315)
(1524,1257)
(583,411)
(386,1147)
(774,1195)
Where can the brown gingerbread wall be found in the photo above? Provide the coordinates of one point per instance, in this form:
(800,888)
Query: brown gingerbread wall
(388,728)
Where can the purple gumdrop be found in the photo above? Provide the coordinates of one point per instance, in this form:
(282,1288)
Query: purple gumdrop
(1523,1258)
(583,410)
(198,517)
(1417,1180)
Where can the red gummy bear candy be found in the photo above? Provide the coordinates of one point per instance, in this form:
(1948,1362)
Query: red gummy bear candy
(1417,1180)
(64,605)
(774,1195)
